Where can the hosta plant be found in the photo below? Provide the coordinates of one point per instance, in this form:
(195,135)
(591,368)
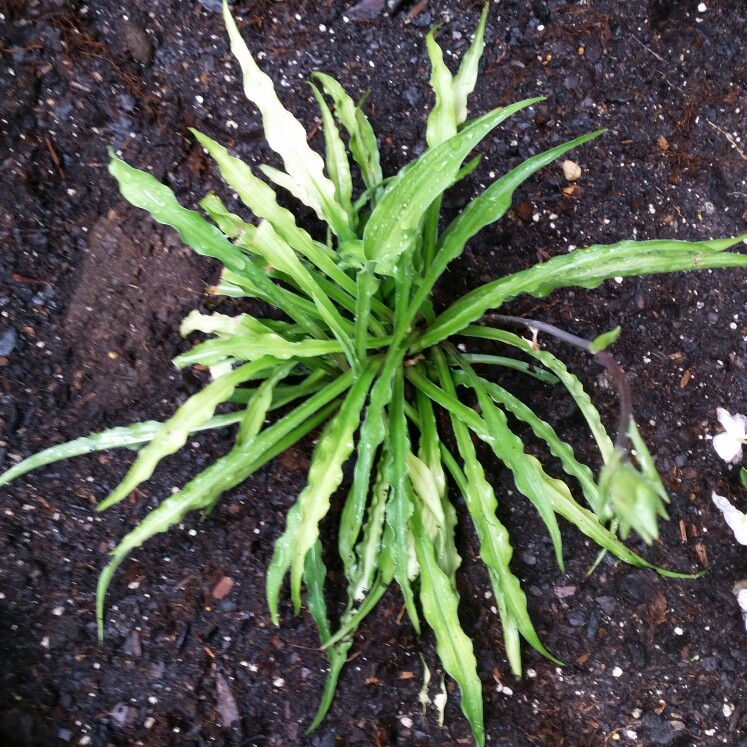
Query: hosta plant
(360,352)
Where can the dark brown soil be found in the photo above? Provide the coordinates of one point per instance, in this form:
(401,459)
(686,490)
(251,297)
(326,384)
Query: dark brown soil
(91,294)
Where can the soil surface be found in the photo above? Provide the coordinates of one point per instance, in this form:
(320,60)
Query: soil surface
(92,292)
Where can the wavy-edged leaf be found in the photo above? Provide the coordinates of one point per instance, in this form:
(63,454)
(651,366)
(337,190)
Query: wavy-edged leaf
(466,77)
(488,207)
(587,268)
(362,143)
(450,109)
(338,166)
(287,137)
(361,565)
(314,576)
(442,120)
(570,381)
(429,451)
(558,448)
(230,470)
(399,509)
(394,225)
(530,478)
(254,347)
(198,409)
(495,544)
(143,190)
(260,198)
(279,254)
(589,524)
(373,430)
(440,609)
(229,223)
(129,437)
(324,477)
(256,410)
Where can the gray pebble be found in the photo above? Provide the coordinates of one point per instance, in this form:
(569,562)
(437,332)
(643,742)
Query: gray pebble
(8,341)
(607,604)
(576,619)
(529,558)
(214,6)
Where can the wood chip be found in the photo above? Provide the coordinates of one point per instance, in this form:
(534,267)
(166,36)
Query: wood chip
(683,531)
(572,192)
(223,588)
(700,551)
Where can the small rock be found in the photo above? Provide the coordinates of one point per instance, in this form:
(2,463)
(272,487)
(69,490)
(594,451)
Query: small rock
(576,619)
(226,703)
(366,9)
(529,558)
(123,715)
(8,340)
(561,592)
(132,645)
(571,170)
(137,42)
(214,6)
(660,732)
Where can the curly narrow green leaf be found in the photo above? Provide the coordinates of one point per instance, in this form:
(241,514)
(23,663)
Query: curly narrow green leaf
(440,609)
(495,546)
(450,109)
(228,222)
(204,490)
(143,190)
(314,576)
(399,510)
(279,254)
(394,225)
(325,475)
(129,437)
(430,453)
(198,409)
(256,411)
(362,565)
(373,430)
(287,137)
(260,198)
(255,347)
(589,524)
(558,448)
(466,77)
(530,478)
(586,268)
(442,121)
(569,381)
(486,208)
(338,165)
(363,145)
